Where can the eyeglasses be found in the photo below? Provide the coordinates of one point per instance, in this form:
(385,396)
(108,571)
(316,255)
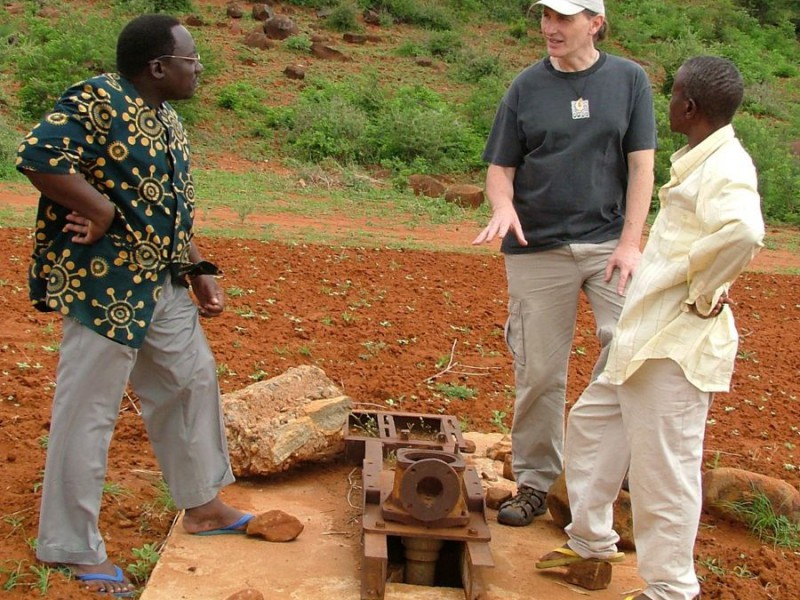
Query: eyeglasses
(195,59)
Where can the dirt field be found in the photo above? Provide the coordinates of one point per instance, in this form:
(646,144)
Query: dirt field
(383,324)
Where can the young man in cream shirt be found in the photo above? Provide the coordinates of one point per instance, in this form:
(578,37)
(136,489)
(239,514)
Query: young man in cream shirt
(674,346)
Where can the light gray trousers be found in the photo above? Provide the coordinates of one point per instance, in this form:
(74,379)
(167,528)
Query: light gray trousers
(174,376)
(658,419)
(543,290)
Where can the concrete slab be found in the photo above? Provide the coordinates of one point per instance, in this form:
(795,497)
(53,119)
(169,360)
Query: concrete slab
(324,562)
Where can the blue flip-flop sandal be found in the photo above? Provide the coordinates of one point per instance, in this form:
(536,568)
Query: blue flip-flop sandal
(117,577)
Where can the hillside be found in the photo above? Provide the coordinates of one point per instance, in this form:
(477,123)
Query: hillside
(414,92)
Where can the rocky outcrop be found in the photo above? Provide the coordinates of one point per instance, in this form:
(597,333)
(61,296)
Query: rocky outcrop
(258,39)
(234,11)
(295,72)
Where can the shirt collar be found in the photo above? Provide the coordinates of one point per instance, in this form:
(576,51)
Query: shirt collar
(686,160)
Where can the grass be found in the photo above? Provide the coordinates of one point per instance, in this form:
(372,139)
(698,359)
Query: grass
(458,392)
(11,216)
(759,514)
(271,207)
(268,194)
(115,490)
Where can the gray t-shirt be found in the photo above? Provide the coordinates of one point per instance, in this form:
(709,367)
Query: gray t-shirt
(568,136)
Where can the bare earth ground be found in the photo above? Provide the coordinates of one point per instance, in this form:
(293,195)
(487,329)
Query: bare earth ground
(381,323)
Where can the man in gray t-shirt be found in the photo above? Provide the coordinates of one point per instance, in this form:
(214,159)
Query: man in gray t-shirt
(570,179)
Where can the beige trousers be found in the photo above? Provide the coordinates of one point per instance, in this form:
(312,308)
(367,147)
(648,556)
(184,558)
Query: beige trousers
(543,290)
(657,419)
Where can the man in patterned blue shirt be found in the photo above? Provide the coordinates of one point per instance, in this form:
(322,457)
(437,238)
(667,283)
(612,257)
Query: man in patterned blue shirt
(114,254)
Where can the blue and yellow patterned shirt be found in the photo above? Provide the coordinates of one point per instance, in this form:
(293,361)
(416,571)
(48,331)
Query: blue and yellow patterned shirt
(138,157)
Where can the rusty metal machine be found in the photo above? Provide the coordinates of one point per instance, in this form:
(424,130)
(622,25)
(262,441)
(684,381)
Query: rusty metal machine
(424,507)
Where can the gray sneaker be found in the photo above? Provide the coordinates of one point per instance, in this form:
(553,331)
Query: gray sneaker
(522,508)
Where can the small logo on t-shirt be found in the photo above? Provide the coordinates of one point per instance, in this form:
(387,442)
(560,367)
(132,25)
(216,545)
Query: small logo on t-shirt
(580,108)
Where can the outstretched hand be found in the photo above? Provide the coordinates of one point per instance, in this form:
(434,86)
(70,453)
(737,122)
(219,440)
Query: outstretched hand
(503,220)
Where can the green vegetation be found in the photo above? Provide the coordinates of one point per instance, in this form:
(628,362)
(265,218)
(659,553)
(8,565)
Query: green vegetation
(459,392)
(759,514)
(361,122)
(146,558)
(499,420)
(405,118)
(344,18)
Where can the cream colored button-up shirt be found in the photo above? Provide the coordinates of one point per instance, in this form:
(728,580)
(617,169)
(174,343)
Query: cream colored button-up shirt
(708,229)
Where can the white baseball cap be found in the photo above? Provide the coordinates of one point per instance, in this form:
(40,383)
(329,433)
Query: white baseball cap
(573,7)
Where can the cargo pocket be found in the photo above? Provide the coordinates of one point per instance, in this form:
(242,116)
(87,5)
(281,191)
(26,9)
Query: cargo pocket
(513,332)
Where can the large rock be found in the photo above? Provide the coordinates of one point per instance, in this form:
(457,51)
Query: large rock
(501,449)
(425,185)
(234,11)
(262,12)
(465,195)
(280,27)
(724,488)
(293,418)
(258,39)
(324,52)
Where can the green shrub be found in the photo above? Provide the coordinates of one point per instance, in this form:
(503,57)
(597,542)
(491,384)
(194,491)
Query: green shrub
(329,126)
(9,142)
(343,18)
(778,169)
(446,44)
(242,98)
(361,122)
(424,13)
(409,48)
(772,12)
(275,118)
(519,28)
(482,103)
(763,100)
(72,50)
(417,124)
(300,43)
(474,67)
(155,6)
